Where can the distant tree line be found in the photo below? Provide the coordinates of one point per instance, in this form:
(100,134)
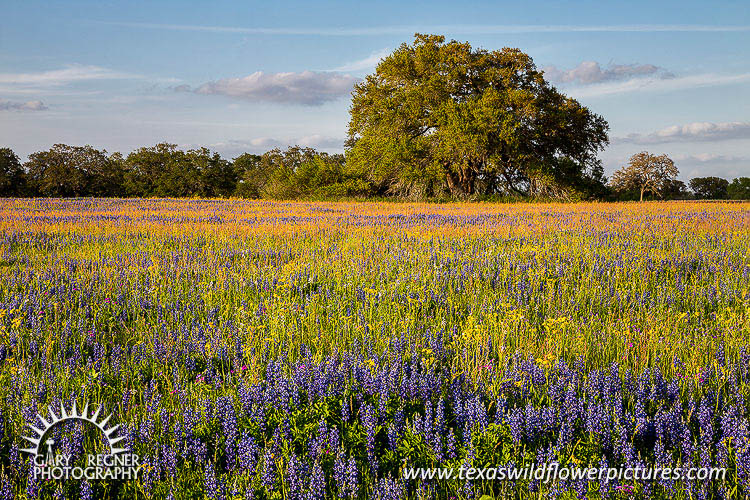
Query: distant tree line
(166,171)
(297,173)
(653,175)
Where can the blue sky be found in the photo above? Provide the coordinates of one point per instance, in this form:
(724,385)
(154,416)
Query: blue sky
(670,77)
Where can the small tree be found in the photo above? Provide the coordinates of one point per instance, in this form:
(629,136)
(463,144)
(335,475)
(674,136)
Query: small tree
(645,172)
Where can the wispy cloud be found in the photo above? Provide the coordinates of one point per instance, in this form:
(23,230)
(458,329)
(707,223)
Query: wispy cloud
(706,164)
(235,147)
(709,158)
(367,63)
(591,72)
(58,77)
(691,132)
(452,29)
(309,88)
(22,106)
(650,84)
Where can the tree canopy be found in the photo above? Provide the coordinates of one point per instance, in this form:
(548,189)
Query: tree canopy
(66,171)
(709,188)
(739,189)
(12,175)
(439,116)
(646,173)
(164,170)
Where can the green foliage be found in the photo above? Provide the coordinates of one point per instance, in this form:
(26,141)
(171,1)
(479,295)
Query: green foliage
(165,171)
(12,175)
(709,188)
(252,175)
(440,116)
(65,171)
(218,177)
(675,190)
(739,189)
(302,173)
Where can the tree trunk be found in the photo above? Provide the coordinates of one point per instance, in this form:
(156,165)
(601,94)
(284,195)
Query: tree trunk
(642,194)
(469,175)
(467,180)
(454,183)
(491,185)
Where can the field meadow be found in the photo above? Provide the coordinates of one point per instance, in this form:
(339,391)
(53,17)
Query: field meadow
(314,350)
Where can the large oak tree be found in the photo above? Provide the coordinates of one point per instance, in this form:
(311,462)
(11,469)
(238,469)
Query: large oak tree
(443,116)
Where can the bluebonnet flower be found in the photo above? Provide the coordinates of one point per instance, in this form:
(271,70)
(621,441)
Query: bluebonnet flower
(5,489)
(320,443)
(247,451)
(340,474)
(369,421)
(352,477)
(388,488)
(169,460)
(212,488)
(86,491)
(450,446)
(705,421)
(226,412)
(294,477)
(268,472)
(316,489)
(516,423)
(345,414)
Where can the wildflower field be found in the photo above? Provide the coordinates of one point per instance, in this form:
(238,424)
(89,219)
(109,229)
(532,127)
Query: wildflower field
(314,350)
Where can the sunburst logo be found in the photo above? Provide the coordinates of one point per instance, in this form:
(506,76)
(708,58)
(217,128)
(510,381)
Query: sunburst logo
(117,464)
(64,416)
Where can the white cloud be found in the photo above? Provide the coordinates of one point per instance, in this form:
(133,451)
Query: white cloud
(234,147)
(308,88)
(321,141)
(591,72)
(369,62)
(22,106)
(658,84)
(711,164)
(698,131)
(589,79)
(58,77)
(709,158)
